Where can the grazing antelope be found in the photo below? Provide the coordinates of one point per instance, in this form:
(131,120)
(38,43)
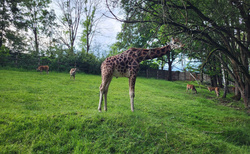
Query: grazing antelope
(72,73)
(43,68)
(192,87)
(215,89)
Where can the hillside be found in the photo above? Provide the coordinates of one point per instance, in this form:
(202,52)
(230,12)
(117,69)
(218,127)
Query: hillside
(53,114)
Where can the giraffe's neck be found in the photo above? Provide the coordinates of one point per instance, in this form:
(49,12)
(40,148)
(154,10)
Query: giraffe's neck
(145,54)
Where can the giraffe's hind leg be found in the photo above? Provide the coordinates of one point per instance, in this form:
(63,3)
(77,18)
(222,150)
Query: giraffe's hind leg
(132,80)
(100,101)
(105,94)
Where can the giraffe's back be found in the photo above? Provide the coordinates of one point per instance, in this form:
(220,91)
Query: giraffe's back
(121,65)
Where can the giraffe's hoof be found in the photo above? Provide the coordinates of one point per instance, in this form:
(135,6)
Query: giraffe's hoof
(99,110)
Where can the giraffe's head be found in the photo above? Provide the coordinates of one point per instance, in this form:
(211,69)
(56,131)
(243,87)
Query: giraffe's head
(176,44)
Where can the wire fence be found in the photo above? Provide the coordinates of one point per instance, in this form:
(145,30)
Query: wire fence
(176,75)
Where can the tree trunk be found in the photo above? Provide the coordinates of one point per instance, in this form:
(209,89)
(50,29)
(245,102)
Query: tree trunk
(36,41)
(36,45)
(170,71)
(169,67)
(225,89)
(219,78)
(246,96)
(87,42)
(16,62)
(39,60)
(224,79)
(162,66)
(2,23)
(213,80)
(71,48)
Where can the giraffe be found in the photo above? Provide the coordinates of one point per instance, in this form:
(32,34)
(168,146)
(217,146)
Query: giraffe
(126,64)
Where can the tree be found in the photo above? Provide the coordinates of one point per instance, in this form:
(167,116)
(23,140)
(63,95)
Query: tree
(38,20)
(171,56)
(224,26)
(71,15)
(90,23)
(10,16)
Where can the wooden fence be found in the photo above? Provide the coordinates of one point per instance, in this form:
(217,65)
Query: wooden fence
(176,75)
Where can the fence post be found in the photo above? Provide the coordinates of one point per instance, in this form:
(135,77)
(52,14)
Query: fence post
(185,75)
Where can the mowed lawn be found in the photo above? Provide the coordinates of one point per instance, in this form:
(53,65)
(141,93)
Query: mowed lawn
(53,114)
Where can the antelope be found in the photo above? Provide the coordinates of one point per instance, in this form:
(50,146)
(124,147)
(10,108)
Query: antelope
(192,87)
(43,68)
(72,73)
(215,89)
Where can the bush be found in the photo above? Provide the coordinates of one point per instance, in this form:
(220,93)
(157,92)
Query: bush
(87,63)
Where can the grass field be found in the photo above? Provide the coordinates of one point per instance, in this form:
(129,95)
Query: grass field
(52,114)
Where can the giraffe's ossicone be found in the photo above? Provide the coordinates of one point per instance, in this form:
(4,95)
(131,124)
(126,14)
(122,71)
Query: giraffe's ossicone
(126,64)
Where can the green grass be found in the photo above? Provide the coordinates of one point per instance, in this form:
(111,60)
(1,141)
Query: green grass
(52,114)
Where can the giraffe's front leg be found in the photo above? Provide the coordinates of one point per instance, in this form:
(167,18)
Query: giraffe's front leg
(105,101)
(132,80)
